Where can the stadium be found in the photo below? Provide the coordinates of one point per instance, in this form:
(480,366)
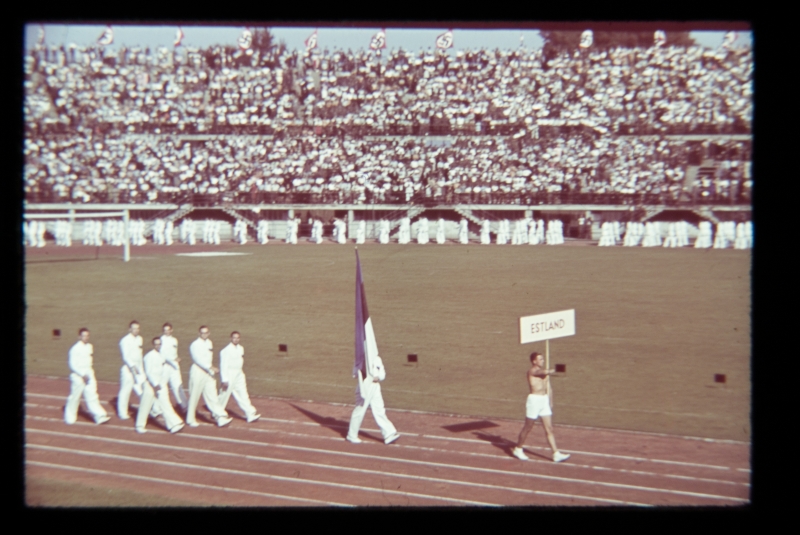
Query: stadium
(227,186)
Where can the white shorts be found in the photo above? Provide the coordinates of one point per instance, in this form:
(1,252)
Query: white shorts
(537,405)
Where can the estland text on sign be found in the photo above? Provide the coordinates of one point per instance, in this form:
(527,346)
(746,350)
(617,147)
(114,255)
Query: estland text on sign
(546,326)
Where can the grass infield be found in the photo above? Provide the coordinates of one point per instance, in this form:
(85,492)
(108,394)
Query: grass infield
(653,325)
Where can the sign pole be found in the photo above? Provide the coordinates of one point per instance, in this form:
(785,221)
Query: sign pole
(547,363)
(547,354)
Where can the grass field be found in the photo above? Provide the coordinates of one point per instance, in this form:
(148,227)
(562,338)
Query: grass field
(653,325)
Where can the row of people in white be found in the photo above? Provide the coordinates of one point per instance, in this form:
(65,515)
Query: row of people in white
(340,231)
(33,232)
(158,372)
(263,232)
(162,231)
(316,231)
(292,227)
(239,232)
(211,230)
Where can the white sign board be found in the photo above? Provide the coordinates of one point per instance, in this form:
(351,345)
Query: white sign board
(546,326)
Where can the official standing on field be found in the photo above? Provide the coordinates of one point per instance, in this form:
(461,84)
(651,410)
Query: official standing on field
(83,382)
(169,349)
(154,390)
(202,381)
(231,375)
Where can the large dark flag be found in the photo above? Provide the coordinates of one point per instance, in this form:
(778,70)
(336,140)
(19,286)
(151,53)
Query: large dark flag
(366,347)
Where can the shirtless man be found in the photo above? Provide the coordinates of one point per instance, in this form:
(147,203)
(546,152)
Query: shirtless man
(538,404)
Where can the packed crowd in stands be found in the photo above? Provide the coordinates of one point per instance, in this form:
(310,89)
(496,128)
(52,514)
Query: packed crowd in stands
(107,125)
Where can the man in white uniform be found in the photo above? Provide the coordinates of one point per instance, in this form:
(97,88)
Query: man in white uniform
(131,374)
(40,230)
(463,232)
(202,381)
(341,235)
(383,237)
(486,238)
(440,236)
(231,375)
(361,232)
(168,226)
(83,382)
(154,390)
(371,397)
(169,350)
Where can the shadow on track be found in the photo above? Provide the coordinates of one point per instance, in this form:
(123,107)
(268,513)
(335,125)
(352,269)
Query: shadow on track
(339,426)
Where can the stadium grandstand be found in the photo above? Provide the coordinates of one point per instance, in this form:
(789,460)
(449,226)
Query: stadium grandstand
(632,132)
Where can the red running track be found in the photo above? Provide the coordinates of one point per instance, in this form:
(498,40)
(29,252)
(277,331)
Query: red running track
(296,455)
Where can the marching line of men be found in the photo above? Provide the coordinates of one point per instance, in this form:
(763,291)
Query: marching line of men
(154,375)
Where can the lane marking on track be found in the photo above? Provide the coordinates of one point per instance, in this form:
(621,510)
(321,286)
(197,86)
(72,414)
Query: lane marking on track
(511,459)
(476,454)
(251,474)
(483,442)
(453,415)
(181,483)
(344,468)
(460,467)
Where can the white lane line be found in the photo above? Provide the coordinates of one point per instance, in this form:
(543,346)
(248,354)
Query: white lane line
(491,456)
(532,460)
(180,483)
(470,468)
(467,416)
(477,441)
(251,474)
(342,468)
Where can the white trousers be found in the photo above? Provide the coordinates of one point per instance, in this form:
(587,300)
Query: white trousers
(238,387)
(149,400)
(78,388)
(175,382)
(127,383)
(200,383)
(375,402)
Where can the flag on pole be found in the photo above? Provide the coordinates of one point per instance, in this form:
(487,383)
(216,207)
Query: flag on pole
(40,40)
(378,40)
(445,40)
(366,347)
(178,37)
(107,37)
(729,39)
(246,39)
(659,38)
(311,42)
(587,38)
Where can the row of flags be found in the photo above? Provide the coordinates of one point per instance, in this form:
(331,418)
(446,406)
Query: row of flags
(378,41)
(659,39)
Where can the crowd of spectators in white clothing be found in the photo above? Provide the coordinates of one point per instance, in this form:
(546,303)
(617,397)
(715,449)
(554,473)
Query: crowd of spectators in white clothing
(141,125)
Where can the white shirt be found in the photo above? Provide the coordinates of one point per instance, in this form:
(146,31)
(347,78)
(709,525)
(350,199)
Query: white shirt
(169,350)
(154,367)
(131,348)
(80,358)
(377,369)
(202,354)
(231,360)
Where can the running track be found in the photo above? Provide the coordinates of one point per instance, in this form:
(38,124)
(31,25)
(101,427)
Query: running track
(296,455)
